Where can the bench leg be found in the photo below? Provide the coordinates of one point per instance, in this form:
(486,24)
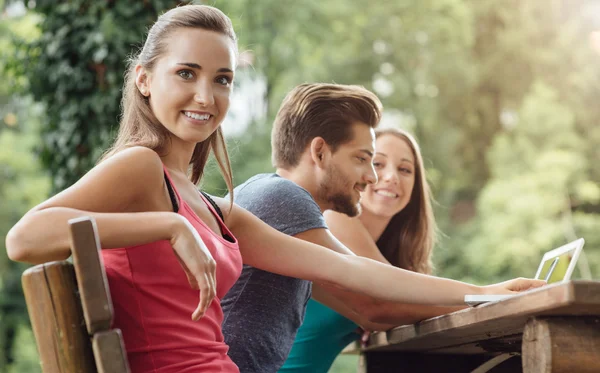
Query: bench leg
(561,345)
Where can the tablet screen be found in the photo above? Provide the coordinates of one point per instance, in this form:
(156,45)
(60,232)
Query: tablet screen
(558,264)
(554,269)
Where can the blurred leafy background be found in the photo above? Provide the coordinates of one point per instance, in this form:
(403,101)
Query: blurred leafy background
(501,94)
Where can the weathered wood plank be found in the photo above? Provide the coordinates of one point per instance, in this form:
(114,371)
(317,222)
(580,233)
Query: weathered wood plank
(57,319)
(91,275)
(109,352)
(41,313)
(562,345)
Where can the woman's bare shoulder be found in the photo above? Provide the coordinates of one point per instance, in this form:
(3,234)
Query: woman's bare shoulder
(352,233)
(138,165)
(115,184)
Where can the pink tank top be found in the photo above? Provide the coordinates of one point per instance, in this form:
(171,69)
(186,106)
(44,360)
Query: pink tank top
(153,303)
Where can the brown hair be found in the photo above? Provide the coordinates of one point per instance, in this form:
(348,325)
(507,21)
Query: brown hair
(407,241)
(320,110)
(138,125)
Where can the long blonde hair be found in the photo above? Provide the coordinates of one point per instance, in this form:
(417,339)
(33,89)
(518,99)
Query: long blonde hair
(407,241)
(138,124)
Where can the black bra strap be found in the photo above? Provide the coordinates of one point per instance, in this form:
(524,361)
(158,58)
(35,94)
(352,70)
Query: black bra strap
(214,205)
(218,210)
(208,198)
(172,195)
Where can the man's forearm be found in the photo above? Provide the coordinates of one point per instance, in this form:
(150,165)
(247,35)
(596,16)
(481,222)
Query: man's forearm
(405,313)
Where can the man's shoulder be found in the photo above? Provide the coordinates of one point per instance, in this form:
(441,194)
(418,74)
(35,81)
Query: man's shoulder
(267,180)
(281,203)
(269,184)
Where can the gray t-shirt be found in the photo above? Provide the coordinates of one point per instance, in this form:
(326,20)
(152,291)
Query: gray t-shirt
(263,311)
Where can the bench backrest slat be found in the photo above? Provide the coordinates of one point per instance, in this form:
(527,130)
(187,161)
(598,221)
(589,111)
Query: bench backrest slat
(109,352)
(91,276)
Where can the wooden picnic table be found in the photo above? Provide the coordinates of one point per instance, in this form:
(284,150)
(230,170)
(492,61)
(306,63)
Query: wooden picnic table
(553,329)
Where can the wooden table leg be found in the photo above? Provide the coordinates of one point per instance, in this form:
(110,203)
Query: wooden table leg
(561,345)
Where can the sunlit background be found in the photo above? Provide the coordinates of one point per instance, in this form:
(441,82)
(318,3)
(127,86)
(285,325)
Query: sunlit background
(502,95)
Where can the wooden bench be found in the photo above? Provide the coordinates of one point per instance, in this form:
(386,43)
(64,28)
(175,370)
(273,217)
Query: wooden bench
(71,309)
(554,329)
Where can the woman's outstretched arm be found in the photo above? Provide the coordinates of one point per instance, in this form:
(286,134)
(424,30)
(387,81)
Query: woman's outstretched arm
(265,248)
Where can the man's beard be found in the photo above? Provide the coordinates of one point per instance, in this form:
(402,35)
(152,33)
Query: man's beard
(340,202)
(343,204)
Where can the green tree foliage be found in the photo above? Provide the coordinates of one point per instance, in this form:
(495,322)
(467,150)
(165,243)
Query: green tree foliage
(23,183)
(394,44)
(538,172)
(533,184)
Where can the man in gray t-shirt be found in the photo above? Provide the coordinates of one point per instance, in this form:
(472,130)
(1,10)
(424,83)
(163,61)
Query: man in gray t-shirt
(258,299)
(323,144)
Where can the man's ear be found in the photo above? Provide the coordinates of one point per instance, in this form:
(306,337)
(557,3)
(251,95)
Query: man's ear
(141,80)
(320,152)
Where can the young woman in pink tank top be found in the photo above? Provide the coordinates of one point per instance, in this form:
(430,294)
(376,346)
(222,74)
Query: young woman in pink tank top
(153,299)
(169,256)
